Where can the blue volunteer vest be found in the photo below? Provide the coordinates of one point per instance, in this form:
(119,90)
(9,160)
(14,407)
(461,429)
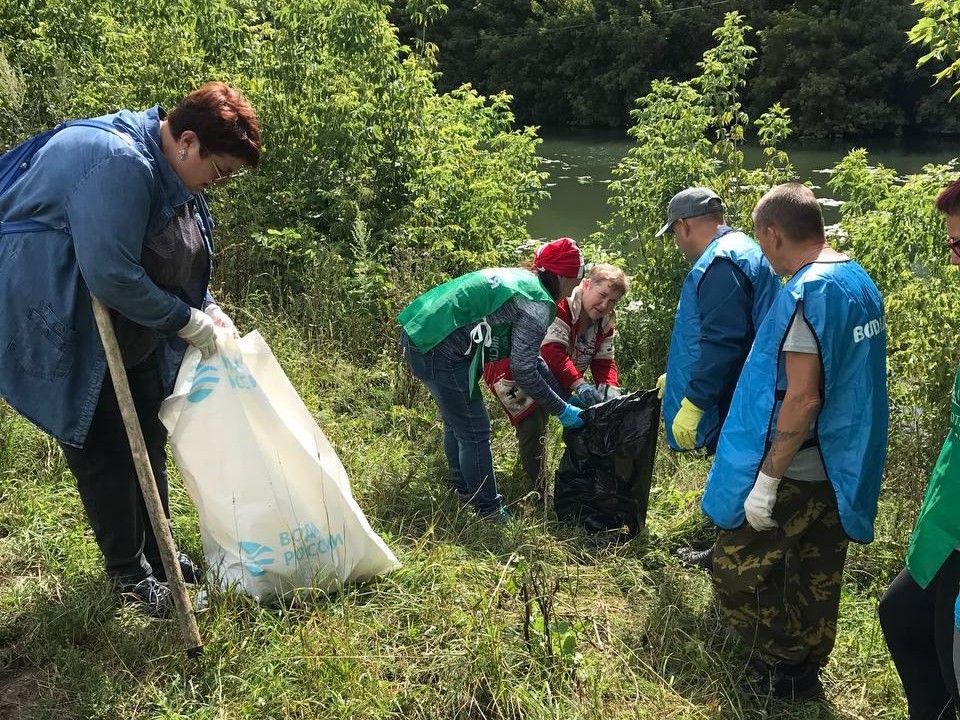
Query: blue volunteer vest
(685,340)
(845,310)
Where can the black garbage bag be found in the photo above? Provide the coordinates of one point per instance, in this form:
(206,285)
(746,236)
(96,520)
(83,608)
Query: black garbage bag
(603,481)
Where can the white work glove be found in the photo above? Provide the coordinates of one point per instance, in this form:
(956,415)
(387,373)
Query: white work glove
(759,503)
(200,332)
(609,392)
(221,319)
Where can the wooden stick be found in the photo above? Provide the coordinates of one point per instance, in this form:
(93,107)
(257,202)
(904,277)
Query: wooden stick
(148,483)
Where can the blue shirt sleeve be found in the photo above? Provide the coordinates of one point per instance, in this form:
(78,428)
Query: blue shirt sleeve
(108,212)
(726,334)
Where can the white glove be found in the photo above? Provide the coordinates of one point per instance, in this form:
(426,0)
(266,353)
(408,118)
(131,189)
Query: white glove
(609,392)
(759,503)
(200,332)
(221,319)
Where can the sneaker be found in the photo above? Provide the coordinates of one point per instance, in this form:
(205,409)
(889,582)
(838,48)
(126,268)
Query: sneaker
(150,595)
(702,559)
(462,496)
(500,516)
(192,574)
(787,682)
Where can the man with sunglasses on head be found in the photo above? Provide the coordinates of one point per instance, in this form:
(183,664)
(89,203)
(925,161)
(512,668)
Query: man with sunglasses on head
(724,297)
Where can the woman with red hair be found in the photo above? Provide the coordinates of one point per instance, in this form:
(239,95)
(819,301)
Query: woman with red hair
(917,610)
(451,331)
(113,207)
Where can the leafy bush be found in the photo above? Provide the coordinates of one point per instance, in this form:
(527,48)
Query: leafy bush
(890,227)
(939,29)
(673,126)
(355,136)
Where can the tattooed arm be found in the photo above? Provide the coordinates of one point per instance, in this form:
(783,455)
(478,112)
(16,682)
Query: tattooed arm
(798,412)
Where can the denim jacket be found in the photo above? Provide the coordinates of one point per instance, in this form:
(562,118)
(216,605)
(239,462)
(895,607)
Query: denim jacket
(105,194)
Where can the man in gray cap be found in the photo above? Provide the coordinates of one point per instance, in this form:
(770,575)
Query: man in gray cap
(724,297)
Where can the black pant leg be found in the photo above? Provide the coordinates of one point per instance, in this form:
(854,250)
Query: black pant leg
(107,478)
(146,387)
(908,619)
(947,587)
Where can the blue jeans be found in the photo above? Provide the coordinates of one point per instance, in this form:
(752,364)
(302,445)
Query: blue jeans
(466,425)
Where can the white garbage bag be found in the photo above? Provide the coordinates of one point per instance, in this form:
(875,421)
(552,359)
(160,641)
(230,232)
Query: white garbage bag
(276,511)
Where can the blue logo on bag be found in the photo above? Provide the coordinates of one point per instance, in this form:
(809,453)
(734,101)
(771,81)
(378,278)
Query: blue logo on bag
(254,556)
(238,374)
(204,382)
(303,543)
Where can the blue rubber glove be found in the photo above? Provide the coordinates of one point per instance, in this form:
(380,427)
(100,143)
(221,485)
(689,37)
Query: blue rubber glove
(587,395)
(570,417)
(956,613)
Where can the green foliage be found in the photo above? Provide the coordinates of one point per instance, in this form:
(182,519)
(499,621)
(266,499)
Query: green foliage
(672,129)
(841,67)
(890,226)
(477,182)
(13,92)
(366,165)
(939,30)
(575,62)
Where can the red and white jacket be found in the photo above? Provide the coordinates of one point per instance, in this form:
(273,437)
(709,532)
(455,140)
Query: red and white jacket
(572,344)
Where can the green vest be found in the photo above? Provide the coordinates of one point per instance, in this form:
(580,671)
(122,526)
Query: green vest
(937,531)
(469,300)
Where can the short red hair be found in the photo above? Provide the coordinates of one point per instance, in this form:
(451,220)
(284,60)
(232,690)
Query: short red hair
(948,201)
(224,121)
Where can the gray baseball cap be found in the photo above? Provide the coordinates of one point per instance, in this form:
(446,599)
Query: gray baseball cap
(692,202)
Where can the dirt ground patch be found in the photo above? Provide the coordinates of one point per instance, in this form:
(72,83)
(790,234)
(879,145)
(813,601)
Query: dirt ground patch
(18,693)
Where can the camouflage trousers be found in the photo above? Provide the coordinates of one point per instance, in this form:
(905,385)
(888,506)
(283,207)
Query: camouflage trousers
(780,589)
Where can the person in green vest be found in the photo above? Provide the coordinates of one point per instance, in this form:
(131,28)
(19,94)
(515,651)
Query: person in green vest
(917,610)
(451,331)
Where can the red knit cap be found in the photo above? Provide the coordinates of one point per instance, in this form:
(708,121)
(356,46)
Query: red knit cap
(561,257)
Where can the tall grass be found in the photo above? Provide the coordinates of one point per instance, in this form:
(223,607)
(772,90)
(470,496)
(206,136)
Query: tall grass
(527,621)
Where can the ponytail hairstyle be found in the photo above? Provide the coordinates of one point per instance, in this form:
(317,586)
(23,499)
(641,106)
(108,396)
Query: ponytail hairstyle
(550,281)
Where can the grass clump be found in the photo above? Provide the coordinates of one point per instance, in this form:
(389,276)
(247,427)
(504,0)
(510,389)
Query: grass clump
(527,621)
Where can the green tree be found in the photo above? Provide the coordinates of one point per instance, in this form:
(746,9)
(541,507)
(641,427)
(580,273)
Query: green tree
(685,134)
(842,67)
(891,228)
(371,179)
(572,62)
(939,30)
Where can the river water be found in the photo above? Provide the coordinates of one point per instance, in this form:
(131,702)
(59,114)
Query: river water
(581,165)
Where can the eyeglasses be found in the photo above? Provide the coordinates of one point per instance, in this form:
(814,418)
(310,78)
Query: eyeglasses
(223,177)
(953,243)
